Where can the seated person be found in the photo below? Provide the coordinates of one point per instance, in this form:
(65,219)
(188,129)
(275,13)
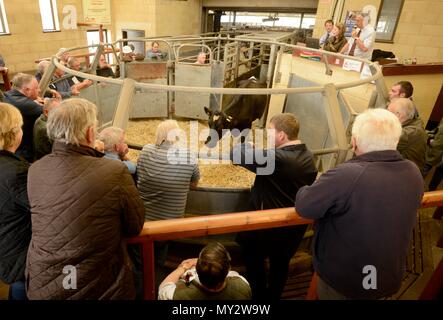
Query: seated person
(201,58)
(337,39)
(78,82)
(104,69)
(62,85)
(207,277)
(155,53)
(42,144)
(115,147)
(41,68)
(63,55)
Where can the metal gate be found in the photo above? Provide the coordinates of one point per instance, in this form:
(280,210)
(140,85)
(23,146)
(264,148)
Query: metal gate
(148,103)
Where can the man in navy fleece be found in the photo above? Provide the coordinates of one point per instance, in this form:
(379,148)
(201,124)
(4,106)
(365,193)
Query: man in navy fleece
(365,210)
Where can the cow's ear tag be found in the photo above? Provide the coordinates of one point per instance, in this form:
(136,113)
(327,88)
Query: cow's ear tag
(229,119)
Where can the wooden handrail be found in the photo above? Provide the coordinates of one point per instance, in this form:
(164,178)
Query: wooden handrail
(432,199)
(239,221)
(225,223)
(219,224)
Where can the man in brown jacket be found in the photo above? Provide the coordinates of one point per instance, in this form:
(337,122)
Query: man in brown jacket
(82,206)
(412,144)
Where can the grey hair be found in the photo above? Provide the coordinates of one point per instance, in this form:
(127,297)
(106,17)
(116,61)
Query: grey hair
(71,61)
(60,52)
(21,80)
(376,130)
(405,107)
(70,121)
(42,66)
(167,131)
(110,137)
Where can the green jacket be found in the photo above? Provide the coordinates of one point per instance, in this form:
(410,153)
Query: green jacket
(335,45)
(434,153)
(236,289)
(42,144)
(412,144)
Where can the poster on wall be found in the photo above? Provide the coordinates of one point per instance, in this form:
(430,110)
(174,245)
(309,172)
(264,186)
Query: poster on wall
(97,11)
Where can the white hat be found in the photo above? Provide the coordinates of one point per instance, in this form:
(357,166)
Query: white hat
(127,49)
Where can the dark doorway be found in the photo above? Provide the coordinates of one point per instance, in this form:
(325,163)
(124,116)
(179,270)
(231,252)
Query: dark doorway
(131,34)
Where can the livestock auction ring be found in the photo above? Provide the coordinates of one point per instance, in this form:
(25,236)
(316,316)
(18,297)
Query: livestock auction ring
(324,90)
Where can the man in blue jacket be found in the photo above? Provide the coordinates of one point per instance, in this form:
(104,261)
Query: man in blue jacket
(365,210)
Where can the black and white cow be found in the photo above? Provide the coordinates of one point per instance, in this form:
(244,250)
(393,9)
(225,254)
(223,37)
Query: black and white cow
(239,113)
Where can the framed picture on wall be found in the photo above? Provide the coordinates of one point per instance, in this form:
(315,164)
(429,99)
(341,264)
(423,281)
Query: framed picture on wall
(350,21)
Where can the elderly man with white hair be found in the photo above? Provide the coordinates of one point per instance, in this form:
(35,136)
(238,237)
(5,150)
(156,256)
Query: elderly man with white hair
(365,210)
(113,139)
(361,42)
(83,206)
(413,139)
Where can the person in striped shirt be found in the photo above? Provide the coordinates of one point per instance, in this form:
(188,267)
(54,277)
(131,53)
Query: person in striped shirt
(166,172)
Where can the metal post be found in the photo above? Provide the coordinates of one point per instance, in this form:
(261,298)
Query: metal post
(271,65)
(335,122)
(124,104)
(46,78)
(328,68)
(382,90)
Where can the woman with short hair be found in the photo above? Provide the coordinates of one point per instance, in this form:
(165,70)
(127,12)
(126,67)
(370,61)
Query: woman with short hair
(15,216)
(337,39)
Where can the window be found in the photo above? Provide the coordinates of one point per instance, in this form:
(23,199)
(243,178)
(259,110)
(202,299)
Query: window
(389,15)
(48,11)
(93,37)
(4,29)
(308,21)
(259,19)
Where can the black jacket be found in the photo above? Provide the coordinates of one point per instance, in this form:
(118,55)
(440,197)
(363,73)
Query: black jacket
(287,169)
(277,181)
(15,217)
(30,111)
(365,210)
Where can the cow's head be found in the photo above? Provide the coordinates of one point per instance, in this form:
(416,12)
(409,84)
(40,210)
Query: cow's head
(217,121)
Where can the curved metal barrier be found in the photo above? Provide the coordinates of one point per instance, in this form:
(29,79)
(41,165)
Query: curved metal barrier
(224,223)
(118,98)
